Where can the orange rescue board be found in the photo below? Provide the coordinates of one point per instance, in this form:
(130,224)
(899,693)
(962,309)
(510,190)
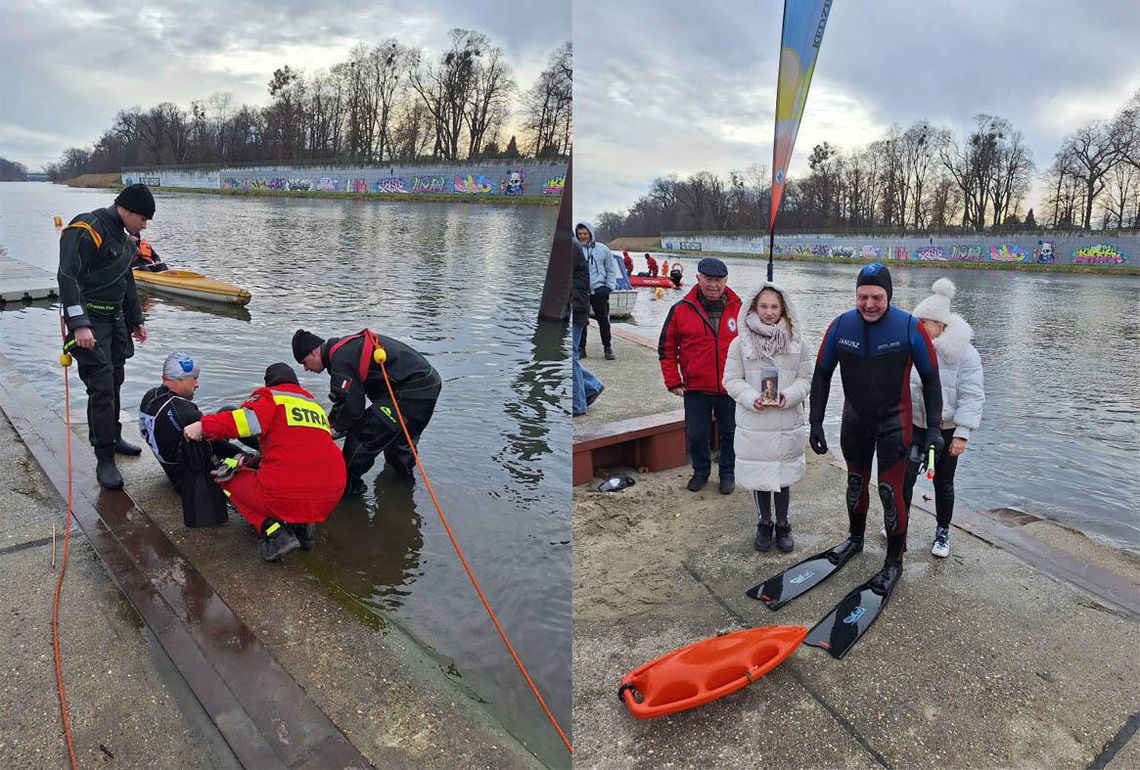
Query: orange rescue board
(707,670)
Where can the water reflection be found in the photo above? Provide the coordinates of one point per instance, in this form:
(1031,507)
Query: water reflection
(152,302)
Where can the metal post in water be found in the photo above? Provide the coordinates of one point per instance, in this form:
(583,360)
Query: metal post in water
(556,291)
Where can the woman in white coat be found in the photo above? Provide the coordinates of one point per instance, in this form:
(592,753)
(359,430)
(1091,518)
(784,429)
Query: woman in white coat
(769,438)
(960,370)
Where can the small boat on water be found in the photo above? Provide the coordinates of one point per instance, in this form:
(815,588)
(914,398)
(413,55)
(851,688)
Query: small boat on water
(645,280)
(622,302)
(187,283)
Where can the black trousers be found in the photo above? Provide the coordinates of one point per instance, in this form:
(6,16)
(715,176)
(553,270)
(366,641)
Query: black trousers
(101,370)
(379,431)
(699,409)
(862,442)
(600,302)
(944,468)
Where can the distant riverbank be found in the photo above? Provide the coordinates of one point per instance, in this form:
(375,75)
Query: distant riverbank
(114,182)
(638,246)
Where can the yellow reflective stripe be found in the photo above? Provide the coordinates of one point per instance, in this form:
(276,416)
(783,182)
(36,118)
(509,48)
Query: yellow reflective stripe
(246,422)
(272,528)
(228,493)
(84,226)
(302,412)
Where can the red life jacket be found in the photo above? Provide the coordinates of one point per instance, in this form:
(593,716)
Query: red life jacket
(367,350)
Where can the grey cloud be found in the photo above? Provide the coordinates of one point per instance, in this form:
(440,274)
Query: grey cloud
(69,67)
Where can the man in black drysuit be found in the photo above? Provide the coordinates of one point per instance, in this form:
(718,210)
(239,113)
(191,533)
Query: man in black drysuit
(354,375)
(101,311)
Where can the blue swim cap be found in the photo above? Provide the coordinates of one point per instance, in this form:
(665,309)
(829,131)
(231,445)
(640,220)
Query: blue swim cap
(180,366)
(875,274)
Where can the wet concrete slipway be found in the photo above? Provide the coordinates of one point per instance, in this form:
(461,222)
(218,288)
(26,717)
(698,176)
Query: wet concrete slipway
(1022,649)
(180,647)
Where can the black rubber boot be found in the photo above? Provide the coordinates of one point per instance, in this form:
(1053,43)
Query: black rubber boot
(849,547)
(124,447)
(763,541)
(697,482)
(727,484)
(106,472)
(886,578)
(784,538)
(278,540)
(354,487)
(609,354)
(306,535)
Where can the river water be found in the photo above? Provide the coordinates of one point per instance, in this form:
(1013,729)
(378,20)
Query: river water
(458,282)
(1060,434)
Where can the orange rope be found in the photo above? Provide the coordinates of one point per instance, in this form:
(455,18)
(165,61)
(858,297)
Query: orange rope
(467,569)
(62,569)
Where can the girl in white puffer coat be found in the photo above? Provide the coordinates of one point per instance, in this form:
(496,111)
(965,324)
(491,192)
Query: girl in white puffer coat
(960,370)
(769,439)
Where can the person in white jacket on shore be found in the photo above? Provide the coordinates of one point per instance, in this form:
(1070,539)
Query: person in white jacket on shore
(769,439)
(963,394)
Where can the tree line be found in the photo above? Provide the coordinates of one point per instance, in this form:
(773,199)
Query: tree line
(922,178)
(385,103)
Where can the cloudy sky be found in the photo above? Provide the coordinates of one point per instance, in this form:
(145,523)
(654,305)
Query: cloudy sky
(665,86)
(66,68)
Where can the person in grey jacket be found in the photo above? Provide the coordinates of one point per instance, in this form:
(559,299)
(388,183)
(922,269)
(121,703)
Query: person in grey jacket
(603,280)
(960,369)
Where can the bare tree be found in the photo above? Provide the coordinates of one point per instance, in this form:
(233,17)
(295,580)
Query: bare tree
(1093,150)
(446,86)
(488,105)
(548,106)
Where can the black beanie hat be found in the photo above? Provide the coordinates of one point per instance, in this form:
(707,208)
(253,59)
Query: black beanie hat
(303,344)
(875,274)
(275,374)
(137,198)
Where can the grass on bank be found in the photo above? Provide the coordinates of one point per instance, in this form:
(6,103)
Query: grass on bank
(642,245)
(114,181)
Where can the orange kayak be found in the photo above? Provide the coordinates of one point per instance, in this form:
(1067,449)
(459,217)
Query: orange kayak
(186,283)
(707,670)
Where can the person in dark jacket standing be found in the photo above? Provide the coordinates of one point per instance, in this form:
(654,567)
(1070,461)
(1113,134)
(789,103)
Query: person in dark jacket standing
(354,368)
(586,387)
(101,311)
(693,348)
(603,280)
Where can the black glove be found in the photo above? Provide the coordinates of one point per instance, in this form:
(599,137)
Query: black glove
(934,439)
(817,440)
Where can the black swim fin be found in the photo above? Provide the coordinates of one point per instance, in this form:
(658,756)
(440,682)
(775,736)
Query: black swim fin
(846,624)
(795,581)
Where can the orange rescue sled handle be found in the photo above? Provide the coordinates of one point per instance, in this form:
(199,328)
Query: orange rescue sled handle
(706,670)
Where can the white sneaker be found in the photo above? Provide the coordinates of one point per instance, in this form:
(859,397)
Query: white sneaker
(941,547)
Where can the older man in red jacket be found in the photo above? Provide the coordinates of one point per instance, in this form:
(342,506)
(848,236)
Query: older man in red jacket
(693,348)
(300,476)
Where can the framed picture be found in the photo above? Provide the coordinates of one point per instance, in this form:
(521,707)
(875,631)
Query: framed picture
(770,385)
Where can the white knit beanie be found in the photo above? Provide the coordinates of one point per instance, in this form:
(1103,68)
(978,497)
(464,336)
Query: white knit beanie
(936,307)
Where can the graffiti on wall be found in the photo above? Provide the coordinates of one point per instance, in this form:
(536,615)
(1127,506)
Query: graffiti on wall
(1100,254)
(392,184)
(429,184)
(1044,253)
(963,253)
(554,186)
(871,252)
(328,184)
(356,186)
(930,253)
(1006,253)
(474,184)
(515,183)
(149,181)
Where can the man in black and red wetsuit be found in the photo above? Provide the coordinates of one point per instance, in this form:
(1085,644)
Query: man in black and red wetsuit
(875,346)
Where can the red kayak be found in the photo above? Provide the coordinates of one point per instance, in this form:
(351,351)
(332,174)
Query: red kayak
(707,670)
(644,280)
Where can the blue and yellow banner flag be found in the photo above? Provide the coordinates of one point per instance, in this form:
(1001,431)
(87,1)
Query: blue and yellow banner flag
(802,34)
